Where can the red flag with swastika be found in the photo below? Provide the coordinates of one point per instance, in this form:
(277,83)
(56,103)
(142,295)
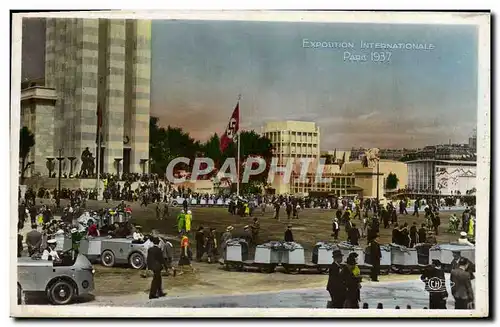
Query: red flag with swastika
(231,130)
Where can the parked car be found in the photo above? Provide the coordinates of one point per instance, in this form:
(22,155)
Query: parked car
(61,281)
(112,251)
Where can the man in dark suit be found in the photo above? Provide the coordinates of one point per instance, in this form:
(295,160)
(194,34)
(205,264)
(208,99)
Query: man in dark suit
(156,262)
(413,235)
(375,255)
(336,286)
(469,267)
(288,234)
(353,235)
(461,288)
(33,214)
(422,234)
(396,235)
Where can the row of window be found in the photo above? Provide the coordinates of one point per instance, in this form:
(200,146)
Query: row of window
(339,192)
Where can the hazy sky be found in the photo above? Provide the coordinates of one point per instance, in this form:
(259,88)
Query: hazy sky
(199,68)
(419,98)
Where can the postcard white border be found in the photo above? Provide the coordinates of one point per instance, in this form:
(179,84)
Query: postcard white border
(483,161)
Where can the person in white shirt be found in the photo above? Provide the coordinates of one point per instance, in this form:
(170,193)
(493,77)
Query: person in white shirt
(50,253)
(137,235)
(463,239)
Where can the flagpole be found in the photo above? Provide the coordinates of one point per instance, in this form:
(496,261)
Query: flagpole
(98,155)
(238,154)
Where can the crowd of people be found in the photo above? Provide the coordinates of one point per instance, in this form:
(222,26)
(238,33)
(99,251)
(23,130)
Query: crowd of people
(344,281)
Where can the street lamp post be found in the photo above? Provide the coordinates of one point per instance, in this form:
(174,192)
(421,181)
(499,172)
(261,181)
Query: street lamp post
(60,158)
(378,180)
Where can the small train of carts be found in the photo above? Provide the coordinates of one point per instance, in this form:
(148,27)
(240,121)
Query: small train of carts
(291,257)
(269,256)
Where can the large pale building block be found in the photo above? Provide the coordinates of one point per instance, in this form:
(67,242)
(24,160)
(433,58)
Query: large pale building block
(91,63)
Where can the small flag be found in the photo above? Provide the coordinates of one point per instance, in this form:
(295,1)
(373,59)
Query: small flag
(341,163)
(231,130)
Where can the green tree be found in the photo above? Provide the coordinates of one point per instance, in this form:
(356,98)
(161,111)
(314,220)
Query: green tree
(159,152)
(211,149)
(252,144)
(26,142)
(391,181)
(166,144)
(328,159)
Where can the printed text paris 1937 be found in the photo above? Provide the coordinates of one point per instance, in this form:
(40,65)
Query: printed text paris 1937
(367,51)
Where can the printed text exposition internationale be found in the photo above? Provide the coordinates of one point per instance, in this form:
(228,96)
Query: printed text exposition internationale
(306,43)
(378,52)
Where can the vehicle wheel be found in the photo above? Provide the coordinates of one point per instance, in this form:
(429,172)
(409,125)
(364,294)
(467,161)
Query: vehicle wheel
(137,261)
(323,270)
(268,269)
(227,267)
(174,204)
(19,295)
(290,270)
(108,258)
(61,292)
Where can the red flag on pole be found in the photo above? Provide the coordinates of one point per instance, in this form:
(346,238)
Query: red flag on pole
(232,129)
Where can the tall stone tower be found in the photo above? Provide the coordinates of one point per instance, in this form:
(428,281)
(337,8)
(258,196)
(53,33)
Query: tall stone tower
(102,63)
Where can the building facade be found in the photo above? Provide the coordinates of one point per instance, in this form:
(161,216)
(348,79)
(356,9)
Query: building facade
(91,63)
(442,152)
(366,177)
(293,139)
(351,178)
(337,156)
(447,177)
(388,154)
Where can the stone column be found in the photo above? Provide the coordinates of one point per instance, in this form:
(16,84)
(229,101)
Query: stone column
(86,83)
(140,102)
(143,163)
(71,159)
(115,85)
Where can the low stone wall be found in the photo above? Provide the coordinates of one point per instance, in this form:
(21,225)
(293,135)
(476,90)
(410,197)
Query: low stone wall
(70,183)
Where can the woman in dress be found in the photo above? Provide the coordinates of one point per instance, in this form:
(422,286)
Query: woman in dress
(352,279)
(211,246)
(186,255)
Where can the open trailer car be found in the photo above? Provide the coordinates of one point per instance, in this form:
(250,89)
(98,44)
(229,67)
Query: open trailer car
(61,281)
(406,260)
(444,253)
(266,257)
(269,256)
(112,251)
(293,257)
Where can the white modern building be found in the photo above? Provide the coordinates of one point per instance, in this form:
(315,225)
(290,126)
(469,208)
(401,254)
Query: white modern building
(449,177)
(293,139)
